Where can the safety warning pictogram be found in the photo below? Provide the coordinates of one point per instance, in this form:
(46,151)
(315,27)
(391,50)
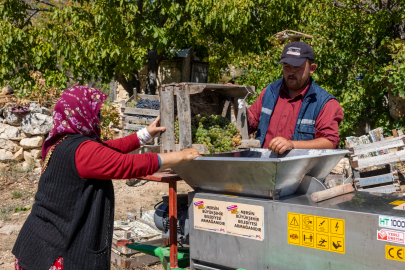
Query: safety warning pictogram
(308,239)
(337,244)
(322,241)
(307,223)
(316,232)
(337,226)
(294,220)
(294,237)
(322,224)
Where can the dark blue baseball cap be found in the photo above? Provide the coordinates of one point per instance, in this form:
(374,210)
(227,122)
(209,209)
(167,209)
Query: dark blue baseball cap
(296,53)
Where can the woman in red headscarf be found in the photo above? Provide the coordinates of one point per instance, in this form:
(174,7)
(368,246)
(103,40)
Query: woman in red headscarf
(71,223)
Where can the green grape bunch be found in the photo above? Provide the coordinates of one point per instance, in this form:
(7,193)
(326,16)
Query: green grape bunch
(217,133)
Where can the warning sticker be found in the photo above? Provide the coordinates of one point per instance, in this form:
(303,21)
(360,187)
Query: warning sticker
(337,244)
(308,239)
(397,202)
(391,236)
(294,220)
(316,232)
(395,253)
(336,226)
(294,237)
(322,224)
(308,222)
(322,241)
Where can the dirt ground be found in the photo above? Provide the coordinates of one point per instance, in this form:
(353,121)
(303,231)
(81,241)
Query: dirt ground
(17,191)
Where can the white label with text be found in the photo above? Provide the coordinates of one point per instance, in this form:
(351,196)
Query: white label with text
(391,236)
(392,222)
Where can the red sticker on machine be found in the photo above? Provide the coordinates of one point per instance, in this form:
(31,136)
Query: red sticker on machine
(391,236)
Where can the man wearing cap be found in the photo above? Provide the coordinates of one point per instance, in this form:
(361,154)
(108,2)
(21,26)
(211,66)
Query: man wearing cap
(294,112)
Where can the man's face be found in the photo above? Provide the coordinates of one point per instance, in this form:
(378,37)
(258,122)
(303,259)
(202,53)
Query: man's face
(295,78)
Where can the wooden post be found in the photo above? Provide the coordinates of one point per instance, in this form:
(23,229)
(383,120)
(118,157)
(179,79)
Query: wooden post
(135,94)
(225,107)
(184,115)
(241,120)
(167,118)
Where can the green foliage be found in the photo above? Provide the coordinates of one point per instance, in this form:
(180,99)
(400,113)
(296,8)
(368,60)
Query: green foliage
(21,209)
(16,194)
(97,40)
(24,47)
(347,42)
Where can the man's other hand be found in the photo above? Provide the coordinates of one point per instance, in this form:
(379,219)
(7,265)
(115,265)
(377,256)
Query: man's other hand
(279,145)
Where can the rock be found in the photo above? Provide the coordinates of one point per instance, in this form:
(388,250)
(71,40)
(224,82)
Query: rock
(9,229)
(29,159)
(7,90)
(37,170)
(36,153)
(11,133)
(6,155)
(37,124)
(14,119)
(26,166)
(19,155)
(34,108)
(33,142)
(9,145)
(38,163)
(4,166)
(1,223)
(1,119)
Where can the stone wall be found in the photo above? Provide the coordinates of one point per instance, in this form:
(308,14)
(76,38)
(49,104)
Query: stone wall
(22,135)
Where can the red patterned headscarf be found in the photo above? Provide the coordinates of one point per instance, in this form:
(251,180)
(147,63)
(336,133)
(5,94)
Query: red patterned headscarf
(76,113)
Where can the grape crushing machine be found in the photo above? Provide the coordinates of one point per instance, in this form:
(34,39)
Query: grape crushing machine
(252,210)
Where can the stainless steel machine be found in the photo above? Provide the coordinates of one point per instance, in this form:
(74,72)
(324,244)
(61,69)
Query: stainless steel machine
(252,210)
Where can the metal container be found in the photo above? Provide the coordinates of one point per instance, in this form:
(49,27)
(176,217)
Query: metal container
(258,172)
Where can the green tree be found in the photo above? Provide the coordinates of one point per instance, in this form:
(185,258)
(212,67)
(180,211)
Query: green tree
(23,46)
(359,50)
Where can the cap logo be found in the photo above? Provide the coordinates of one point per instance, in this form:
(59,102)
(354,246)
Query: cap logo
(294,51)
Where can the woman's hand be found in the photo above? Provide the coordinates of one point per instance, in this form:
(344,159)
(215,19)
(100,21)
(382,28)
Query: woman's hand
(155,127)
(174,158)
(190,154)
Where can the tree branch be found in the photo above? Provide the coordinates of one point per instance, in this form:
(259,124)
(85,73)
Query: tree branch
(338,4)
(28,20)
(46,3)
(380,3)
(362,5)
(38,9)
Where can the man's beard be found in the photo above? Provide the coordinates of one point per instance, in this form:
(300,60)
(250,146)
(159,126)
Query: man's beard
(296,84)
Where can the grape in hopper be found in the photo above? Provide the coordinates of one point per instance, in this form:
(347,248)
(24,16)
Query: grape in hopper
(217,133)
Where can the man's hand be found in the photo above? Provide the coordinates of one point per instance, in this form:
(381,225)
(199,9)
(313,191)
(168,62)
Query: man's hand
(279,145)
(155,127)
